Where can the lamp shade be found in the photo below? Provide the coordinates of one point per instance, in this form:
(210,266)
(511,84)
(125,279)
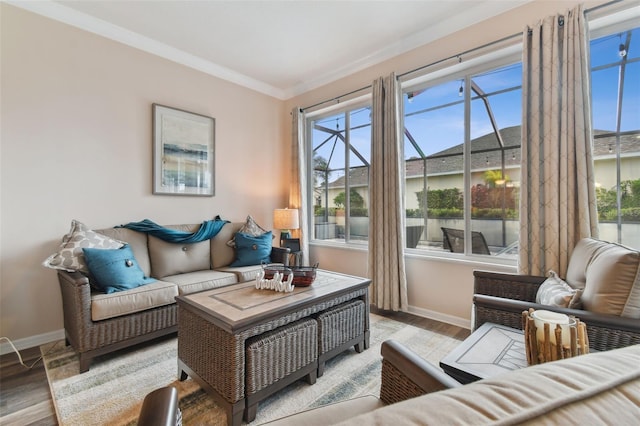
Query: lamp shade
(285,219)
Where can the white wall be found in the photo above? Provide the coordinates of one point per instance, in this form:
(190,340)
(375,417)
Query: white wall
(76,144)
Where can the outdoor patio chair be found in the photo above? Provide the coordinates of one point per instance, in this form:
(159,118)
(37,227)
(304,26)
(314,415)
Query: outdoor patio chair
(453,240)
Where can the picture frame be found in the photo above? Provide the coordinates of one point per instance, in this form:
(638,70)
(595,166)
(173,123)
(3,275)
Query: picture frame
(291,243)
(183,152)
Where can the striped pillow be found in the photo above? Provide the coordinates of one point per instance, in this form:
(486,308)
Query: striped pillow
(555,292)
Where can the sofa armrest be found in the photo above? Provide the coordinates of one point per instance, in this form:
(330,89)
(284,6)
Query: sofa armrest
(509,286)
(76,279)
(280,255)
(76,305)
(605,331)
(160,408)
(406,375)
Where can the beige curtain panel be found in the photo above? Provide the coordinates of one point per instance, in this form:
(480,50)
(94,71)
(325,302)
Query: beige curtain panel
(557,202)
(297,191)
(386,212)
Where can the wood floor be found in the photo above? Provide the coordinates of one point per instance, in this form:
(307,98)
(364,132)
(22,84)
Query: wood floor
(25,398)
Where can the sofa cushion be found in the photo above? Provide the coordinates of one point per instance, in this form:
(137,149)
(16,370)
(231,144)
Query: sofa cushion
(580,258)
(250,227)
(192,282)
(168,259)
(136,240)
(596,389)
(555,292)
(613,282)
(244,273)
(252,250)
(221,253)
(332,413)
(159,293)
(70,257)
(115,269)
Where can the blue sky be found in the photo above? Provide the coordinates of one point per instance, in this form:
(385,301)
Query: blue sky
(442,128)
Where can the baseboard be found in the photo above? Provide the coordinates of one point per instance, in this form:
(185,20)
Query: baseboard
(438,316)
(31,341)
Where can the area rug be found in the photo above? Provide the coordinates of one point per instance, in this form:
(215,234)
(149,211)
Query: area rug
(111,392)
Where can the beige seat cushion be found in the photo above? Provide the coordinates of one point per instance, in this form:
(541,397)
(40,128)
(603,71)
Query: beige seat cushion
(126,302)
(138,243)
(193,282)
(597,389)
(580,258)
(613,282)
(331,414)
(221,253)
(244,273)
(168,259)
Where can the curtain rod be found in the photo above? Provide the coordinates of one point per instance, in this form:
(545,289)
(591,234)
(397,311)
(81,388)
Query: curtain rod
(456,56)
(337,98)
(459,55)
(466,52)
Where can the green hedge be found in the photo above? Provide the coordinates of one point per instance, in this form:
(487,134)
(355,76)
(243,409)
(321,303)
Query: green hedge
(631,214)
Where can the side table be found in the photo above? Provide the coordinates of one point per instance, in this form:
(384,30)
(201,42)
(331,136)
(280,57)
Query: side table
(490,350)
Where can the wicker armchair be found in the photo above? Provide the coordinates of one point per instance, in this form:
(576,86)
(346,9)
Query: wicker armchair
(406,375)
(500,298)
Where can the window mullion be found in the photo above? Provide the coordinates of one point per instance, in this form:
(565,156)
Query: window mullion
(347,183)
(467,167)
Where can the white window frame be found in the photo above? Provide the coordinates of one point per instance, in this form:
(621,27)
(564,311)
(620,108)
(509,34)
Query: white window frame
(465,69)
(361,101)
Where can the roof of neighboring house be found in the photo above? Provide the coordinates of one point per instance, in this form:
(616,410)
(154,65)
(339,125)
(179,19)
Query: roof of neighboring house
(486,155)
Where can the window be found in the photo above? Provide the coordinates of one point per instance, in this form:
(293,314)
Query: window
(462,137)
(341,146)
(462,161)
(615,88)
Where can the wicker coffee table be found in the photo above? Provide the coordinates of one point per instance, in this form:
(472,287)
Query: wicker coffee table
(242,344)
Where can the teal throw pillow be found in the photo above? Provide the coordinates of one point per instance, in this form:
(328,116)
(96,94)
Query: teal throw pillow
(115,270)
(252,250)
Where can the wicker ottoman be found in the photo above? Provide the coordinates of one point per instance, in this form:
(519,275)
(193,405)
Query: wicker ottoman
(339,329)
(278,358)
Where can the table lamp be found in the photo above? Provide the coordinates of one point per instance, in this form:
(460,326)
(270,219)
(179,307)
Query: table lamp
(285,220)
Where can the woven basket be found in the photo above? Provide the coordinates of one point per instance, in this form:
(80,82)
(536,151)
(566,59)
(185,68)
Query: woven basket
(303,276)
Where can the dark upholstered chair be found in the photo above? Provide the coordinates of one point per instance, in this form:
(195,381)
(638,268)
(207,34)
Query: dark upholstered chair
(453,240)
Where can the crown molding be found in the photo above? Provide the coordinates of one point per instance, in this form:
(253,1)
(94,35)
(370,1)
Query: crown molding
(481,11)
(58,12)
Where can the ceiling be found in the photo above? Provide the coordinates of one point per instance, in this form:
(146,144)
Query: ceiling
(280,48)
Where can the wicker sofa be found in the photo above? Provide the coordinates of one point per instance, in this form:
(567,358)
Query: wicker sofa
(594,389)
(607,274)
(96,323)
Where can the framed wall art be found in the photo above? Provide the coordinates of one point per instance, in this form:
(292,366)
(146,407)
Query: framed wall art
(183,152)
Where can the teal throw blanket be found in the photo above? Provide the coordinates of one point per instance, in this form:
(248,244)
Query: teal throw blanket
(208,230)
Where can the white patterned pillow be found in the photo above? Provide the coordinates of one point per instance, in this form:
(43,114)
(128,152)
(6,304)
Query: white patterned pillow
(250,227)
(555,292)
(70,256)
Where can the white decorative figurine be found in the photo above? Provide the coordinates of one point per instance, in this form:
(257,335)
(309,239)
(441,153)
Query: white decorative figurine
(275,283)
